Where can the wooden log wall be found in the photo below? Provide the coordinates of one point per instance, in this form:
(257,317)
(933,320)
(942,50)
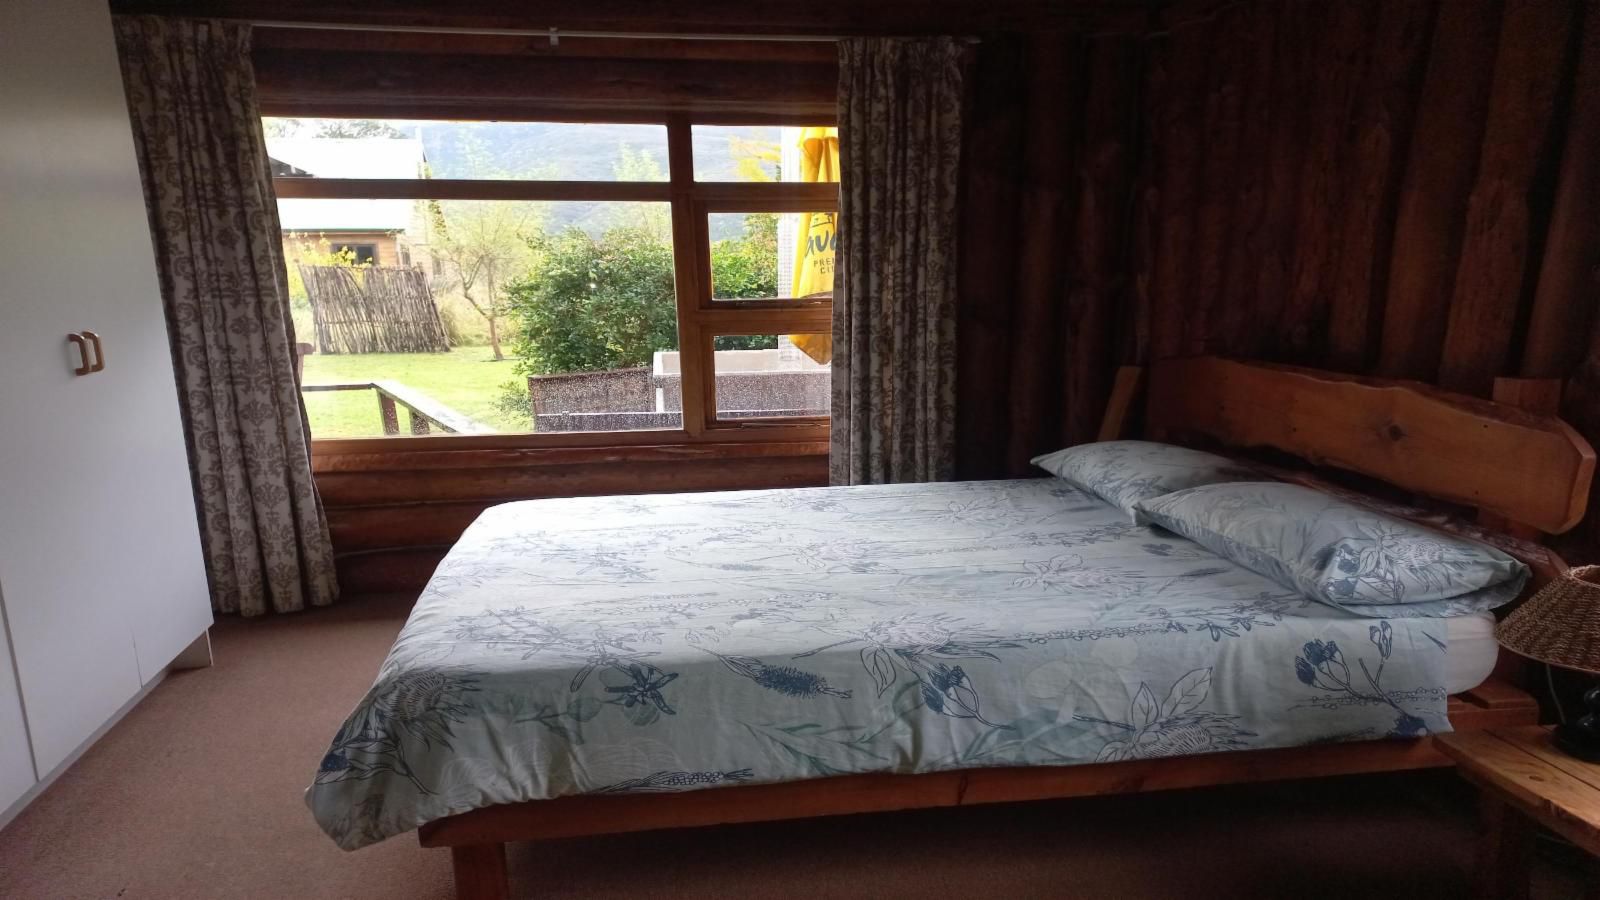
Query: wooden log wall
(1400,187)
(1047,180)
(362,74)
(393,515)
(731,17)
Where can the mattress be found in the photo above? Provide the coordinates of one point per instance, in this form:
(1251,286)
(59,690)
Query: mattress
(1473,651)
(677,642)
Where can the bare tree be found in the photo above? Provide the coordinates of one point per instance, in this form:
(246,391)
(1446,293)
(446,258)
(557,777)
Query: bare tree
(482,244)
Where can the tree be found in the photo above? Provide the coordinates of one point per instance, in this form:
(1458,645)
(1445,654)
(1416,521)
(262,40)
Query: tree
(747,265)
(330,128)
(591,304)
(754,159)
(482,245)
(655,219)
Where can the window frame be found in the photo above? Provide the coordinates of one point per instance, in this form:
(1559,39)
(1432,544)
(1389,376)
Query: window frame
(700,318)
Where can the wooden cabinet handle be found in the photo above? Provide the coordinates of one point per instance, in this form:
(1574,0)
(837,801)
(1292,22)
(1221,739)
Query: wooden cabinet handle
(99,351)
(83,353)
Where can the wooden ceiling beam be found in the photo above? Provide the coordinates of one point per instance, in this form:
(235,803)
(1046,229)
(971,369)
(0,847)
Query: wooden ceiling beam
(764,17)
(527,112)
(294,79)
(817,52)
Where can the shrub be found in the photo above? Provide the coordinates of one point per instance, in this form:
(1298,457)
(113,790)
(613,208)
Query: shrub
(512,403)
(590,304)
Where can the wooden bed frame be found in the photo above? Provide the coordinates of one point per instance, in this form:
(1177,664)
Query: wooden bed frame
(1430,443)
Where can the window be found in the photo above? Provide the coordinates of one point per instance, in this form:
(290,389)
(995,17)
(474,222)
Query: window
(366,254)
(559,279)
(733,153)
(772,256)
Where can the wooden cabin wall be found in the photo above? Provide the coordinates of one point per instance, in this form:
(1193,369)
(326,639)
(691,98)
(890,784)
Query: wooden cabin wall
(393,515)
(1407,188)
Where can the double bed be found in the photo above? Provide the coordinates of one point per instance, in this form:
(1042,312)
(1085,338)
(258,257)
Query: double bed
(589,665)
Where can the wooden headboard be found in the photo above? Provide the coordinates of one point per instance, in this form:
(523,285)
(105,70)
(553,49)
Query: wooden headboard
(1531,469)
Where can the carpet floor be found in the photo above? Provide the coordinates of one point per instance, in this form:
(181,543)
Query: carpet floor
(197,794)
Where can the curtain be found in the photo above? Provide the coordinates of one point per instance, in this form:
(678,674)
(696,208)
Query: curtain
(894,314)
(214,224)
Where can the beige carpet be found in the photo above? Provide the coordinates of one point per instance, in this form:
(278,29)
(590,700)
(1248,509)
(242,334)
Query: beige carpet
(197,793)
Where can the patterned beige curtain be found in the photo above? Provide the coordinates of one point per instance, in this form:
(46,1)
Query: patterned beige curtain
(214,223)
(894,313)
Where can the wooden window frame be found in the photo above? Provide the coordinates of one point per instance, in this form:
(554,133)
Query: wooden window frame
(700,317)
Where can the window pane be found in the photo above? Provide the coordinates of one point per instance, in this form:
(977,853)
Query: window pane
(509,317)
(765,153)
(772,375)
(763,256)
(737,152)
(420,148)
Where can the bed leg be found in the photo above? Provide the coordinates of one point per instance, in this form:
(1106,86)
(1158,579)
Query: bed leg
(480,871)
(1507,856)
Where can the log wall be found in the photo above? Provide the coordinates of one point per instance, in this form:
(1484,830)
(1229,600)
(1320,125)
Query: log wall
(1400,187)
(392,516)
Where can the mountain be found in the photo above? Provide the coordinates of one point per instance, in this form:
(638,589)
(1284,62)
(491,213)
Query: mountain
(584,152)
(560,152)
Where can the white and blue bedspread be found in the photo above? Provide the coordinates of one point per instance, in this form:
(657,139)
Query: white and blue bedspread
(674,642)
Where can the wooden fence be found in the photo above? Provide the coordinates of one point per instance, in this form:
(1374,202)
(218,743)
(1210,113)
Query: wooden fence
(373,309)
(425,414)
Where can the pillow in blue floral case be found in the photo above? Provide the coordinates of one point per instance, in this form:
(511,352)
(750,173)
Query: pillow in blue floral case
(1124,472)
(1340,553)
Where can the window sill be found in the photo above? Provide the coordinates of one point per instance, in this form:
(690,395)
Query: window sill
(744,440)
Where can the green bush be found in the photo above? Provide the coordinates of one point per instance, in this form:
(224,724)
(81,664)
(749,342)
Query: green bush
(590,304)
(512,403)
(747,266)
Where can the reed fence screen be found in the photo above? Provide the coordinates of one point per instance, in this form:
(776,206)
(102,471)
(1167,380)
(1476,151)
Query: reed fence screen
(373,309)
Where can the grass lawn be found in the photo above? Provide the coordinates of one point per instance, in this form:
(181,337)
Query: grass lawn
(467,379)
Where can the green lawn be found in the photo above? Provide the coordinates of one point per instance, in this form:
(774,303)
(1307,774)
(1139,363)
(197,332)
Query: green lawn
(467,379)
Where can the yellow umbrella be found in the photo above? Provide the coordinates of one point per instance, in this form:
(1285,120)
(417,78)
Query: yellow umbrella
(817,238)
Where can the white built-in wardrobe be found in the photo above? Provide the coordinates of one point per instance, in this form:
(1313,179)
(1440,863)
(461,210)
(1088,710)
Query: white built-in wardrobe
(101,581)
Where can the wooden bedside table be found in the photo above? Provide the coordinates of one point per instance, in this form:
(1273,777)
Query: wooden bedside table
(1525,779)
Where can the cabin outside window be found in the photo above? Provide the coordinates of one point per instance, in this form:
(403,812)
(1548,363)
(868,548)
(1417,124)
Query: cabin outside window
(558,284)
(360,254)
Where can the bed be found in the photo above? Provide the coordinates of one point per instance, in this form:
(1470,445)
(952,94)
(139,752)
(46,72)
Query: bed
(594,665)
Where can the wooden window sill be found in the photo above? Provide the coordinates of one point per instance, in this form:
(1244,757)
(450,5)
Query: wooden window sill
(743,441)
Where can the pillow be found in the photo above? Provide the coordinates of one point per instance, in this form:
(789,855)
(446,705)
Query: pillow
(1339,553)
(1124,472)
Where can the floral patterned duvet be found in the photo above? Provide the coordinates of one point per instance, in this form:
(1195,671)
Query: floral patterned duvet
(677,642)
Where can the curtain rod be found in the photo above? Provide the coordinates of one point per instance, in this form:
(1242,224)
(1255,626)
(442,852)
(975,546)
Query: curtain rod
(554,34)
